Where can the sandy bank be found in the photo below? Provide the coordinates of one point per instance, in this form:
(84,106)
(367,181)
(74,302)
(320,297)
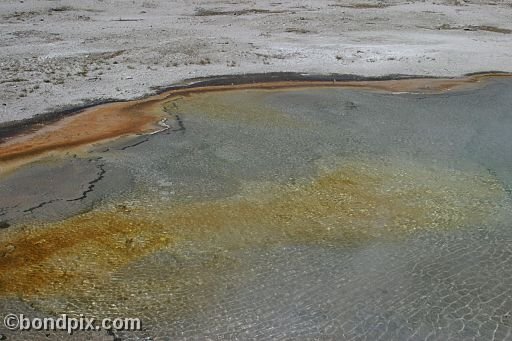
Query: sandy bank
(55,54)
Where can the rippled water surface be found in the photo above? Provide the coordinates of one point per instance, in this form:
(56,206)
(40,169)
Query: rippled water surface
(277,214)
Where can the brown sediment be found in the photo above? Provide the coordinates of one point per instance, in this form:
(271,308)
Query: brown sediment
(83,247)
(92,125)
(347,203)
(109,121)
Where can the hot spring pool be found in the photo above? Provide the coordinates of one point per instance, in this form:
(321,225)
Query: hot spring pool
(310,213)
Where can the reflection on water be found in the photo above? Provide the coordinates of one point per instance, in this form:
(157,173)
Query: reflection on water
(314,213)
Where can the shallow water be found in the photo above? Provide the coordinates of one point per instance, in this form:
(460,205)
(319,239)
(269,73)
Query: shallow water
(278,214)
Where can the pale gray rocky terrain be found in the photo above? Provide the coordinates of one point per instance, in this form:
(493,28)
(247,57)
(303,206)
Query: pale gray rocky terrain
(56,53)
